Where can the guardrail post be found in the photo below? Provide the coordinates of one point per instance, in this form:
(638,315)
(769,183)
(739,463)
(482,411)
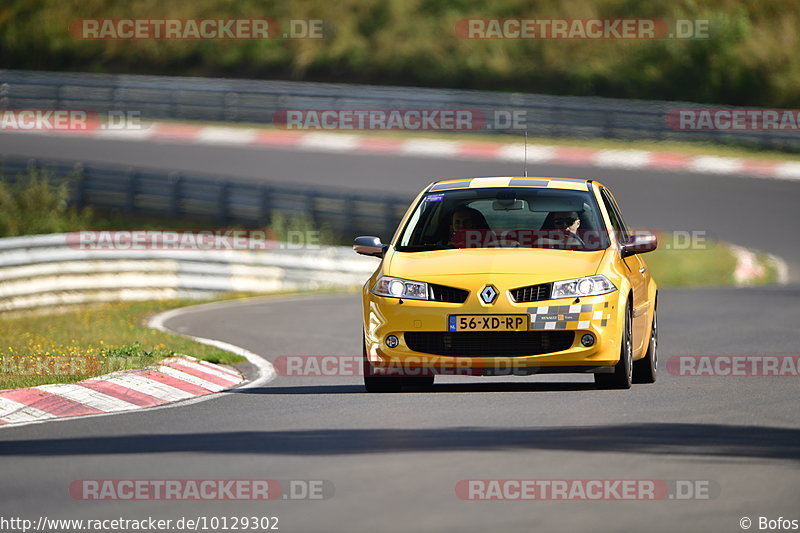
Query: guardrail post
(175,193)
(173,104)
(310,198)
(608,124)
(389,221)
(5,90)
(79,194)
(223,204)
(227,111)
(132,177)
(265,216)
(349,217)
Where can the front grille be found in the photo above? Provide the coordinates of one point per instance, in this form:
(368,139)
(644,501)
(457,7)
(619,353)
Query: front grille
(440,293)
(489,343)
(532,293)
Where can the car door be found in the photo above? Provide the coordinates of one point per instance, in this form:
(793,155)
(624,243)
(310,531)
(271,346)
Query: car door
(637,272)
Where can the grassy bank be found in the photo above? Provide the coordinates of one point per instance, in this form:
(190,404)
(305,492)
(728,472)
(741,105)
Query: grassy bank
(705,265)
(748,59)
(73,345)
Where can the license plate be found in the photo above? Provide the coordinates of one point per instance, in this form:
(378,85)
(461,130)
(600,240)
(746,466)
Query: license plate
(488,323)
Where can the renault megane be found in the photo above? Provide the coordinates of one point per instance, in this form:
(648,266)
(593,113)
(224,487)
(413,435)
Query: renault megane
(512,275)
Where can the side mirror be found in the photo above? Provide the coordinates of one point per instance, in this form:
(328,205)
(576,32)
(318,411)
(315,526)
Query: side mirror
(640,243)
(368,245)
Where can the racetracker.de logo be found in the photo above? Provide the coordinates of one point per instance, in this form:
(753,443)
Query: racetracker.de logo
(787,120)
(221,240)
(734,365)
(640,490)
(195,29)
(68,120)
(380,119)
(200,489)
(582,29)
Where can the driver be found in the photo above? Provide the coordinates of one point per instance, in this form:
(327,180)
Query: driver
(464,219)
(564,230)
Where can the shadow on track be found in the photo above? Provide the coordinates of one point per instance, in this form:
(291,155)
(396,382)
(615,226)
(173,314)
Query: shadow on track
(678,439)
(438,388)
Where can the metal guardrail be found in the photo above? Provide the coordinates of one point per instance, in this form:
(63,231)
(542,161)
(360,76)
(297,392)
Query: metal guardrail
(231,100)
(46,270)
(223,200)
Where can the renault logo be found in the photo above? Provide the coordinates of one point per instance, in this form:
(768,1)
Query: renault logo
(488,294)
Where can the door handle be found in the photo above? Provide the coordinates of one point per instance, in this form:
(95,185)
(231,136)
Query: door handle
(642,270)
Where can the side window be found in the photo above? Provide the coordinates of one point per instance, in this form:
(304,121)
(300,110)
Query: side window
(616,220)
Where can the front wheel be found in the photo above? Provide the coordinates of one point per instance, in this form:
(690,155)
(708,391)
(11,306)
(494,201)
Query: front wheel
(422,382)
(375,382)
(623,370)
(645,369)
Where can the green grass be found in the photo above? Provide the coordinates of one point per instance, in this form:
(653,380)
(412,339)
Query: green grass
(712,265)
(36,202)
(100,339)
(749,59)
(708,264)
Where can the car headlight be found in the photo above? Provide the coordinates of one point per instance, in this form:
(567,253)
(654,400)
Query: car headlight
(400,288)
(588,286)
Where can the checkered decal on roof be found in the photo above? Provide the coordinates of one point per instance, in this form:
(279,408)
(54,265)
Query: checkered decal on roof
(576,316)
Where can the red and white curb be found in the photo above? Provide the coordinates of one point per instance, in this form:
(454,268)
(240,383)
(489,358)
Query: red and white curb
(421,147)
(749,268)
(172,380)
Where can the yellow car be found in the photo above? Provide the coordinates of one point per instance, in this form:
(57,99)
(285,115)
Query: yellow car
(510,276)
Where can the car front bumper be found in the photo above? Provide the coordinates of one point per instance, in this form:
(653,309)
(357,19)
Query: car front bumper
(599,316)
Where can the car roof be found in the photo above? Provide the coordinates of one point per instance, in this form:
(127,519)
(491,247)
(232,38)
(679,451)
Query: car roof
(575,184)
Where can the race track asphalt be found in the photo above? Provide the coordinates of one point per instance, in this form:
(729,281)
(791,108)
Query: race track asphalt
(395,459)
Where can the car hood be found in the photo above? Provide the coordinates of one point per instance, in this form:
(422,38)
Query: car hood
(535,263)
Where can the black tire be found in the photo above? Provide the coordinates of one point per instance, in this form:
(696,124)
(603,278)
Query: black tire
(377,383)
(645,370)
(420,383)
(623,370)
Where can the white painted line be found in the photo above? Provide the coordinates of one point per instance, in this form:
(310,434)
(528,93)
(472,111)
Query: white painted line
(208,370)
(16,412)
(139,134)
(188,378)
(139,383)
(231,372)
(91,398)
(430,147)
(221,135)
(536,153)
(715,165)
(781,267)
(747,266)
(330,142)
(787,171)
(266,372)
(622,158)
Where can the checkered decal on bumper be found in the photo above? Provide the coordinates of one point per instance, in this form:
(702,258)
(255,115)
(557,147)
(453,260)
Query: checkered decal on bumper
(577,316)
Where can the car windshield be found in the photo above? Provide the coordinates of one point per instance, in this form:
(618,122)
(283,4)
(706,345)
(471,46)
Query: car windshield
(508,217)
